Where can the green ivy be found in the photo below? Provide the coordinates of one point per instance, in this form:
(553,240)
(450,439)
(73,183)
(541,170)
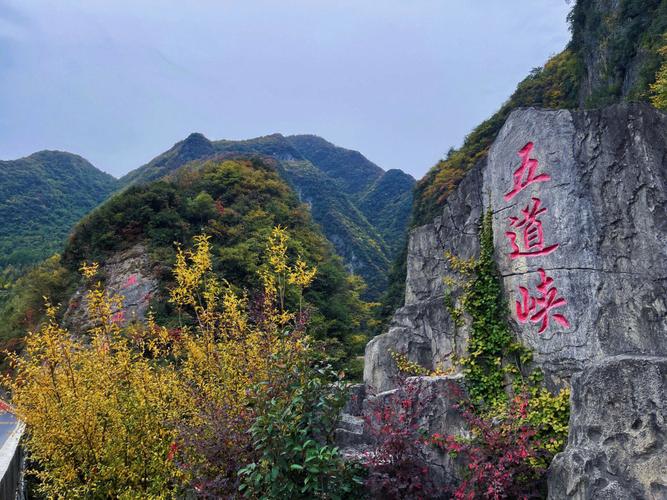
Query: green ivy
(496,360)
(490,336)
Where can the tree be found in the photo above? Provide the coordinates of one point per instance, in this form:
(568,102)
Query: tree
(112,413)
(659,87)
(95,409)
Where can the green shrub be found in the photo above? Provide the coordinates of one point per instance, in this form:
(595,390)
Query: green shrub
(293,439)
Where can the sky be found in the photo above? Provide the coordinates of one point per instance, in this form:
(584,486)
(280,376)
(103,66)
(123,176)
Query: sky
(401,81)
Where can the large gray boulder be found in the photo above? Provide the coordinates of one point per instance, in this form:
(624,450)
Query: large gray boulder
(606,209)
(618,428)
(603,237)
(579,202)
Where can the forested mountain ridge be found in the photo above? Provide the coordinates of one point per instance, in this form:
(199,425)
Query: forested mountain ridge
(362,209)
(387,203)
(613,56)
(41,197)
(236,203)
(384,197)
(350,168)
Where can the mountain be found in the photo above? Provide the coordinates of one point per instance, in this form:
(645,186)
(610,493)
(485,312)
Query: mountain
(362,209)
(613,56)
(350,168)
(237,203)
(387,203)
(355,239)
(385,198)
(41,197)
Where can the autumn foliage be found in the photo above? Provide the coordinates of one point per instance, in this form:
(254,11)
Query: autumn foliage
(146,411)
(95,409)
(503,456)
(397,464)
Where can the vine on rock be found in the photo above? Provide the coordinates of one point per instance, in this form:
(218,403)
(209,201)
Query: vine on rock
(516,425)
(498,368)
(491,339)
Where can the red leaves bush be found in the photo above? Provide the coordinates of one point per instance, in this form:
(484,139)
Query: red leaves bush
(503,456)
(397,465)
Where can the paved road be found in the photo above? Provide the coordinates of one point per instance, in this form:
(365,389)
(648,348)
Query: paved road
(7,425)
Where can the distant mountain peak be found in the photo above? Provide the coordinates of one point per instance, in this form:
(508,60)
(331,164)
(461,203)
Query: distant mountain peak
(196,136)
(195,146)
(50,154)
(362,209)
(41,197)
(398,172)
(352,169)
(53,152)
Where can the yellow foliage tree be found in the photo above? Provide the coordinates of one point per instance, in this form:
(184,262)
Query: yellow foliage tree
(105,412)
(95,409)
(659,87)
(227,353)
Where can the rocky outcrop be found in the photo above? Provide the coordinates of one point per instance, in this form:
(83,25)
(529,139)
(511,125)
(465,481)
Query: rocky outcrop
(618,429)
(579,204)
(606,208)
(422,329)
(127,274)
(601,232)
(617,43)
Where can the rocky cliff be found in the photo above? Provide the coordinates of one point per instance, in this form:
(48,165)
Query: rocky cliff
(127,274)
(618,44)
(580,231)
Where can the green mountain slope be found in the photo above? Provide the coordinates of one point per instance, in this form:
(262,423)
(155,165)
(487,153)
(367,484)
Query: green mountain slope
(387,203)
(614,55)
(350,168)
(194,147)
(385,198)
(237,203)
(41,197)
(321,174)
(355,239)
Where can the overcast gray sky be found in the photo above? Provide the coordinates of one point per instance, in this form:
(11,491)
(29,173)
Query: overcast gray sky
(119,81)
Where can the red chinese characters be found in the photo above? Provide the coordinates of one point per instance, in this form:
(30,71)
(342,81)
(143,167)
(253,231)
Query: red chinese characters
(532,233)
(527,164)
(526,237)
(537,309)
(131,281)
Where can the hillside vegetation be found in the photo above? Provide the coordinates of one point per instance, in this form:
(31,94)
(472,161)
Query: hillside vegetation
(362,210)
(235,202)
(614,55)
(41,197)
